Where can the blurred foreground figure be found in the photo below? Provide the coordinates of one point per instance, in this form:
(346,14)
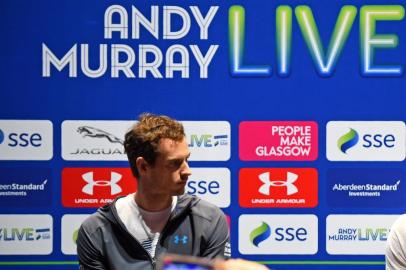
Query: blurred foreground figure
(395,254)
(238,264)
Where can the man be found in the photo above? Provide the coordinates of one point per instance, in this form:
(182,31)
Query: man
(395,254)
(133,231)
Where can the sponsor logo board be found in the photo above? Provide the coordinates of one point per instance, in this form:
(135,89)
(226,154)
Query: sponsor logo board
(358,234)
(210,184)
(278,234)
(103,140)
(26,140)
(26,234)
(25,187)
(94,140)
(278,140)
(94,187)
(69,232)
(366,141)
(208,140)
(378,188)
(278,187)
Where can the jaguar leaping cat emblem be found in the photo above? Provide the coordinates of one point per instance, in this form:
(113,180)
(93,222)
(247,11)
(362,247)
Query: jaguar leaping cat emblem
(92,132)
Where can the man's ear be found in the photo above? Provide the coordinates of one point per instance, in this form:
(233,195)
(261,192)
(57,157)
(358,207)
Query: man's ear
(142,165)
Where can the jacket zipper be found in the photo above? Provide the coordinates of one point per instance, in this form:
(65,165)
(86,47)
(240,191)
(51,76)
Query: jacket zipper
(172,220)
(152,260)
(165,229)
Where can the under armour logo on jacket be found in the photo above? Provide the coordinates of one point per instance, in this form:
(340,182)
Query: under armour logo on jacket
(180,239)
(288,183)
(112,182)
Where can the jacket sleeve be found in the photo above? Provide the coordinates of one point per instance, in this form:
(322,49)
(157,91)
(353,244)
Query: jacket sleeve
(90,257)
(218,238)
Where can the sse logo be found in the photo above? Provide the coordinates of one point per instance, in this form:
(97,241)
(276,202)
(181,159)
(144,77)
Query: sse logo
(25,140)
(210,184)
(278,187)
(278,234)
(94,187)
(366,141)
(263,232)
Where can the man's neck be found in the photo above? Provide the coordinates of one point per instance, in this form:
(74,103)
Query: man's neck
(152,203)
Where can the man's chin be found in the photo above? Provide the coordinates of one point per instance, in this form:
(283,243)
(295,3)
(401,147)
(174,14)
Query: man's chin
(179,192)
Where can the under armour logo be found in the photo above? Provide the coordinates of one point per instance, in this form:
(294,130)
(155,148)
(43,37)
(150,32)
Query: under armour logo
(288,183)
(180,239)
(114,188)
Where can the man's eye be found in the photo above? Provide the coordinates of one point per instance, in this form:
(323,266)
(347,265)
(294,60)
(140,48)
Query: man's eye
(176,163)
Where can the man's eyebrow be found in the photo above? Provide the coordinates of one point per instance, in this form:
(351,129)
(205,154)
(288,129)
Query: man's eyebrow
(179,157)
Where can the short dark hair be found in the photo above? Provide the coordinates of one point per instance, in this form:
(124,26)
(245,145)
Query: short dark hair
(143,138)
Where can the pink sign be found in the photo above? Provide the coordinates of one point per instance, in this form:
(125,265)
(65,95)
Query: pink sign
(278,140)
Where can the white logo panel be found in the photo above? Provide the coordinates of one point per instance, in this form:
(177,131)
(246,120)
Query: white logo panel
(94,140)
(366,140)
(208,140)
(69,231)
(26,234)
(210,184)
(278,234)
(358,234)
(26,140)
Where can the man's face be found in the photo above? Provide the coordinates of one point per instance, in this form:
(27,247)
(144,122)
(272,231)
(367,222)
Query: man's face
(169,174)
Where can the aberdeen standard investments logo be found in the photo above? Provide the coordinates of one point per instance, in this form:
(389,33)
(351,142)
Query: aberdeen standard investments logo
(278,234)
(25,187)
(278,187)
(277,140)
(366,141)
(377,188)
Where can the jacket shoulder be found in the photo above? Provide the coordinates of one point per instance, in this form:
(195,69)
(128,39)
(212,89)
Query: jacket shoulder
(95,221)
(206,210)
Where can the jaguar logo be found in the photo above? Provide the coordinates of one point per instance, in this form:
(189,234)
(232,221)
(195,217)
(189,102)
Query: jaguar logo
(92,132)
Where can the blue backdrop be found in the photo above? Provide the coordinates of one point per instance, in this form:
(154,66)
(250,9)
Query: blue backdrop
(304,95)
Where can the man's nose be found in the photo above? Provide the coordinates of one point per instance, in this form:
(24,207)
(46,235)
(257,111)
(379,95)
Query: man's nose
(186,171)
